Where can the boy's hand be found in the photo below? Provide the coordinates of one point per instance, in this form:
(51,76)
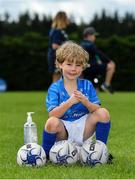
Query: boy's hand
(80,97)
(73,99)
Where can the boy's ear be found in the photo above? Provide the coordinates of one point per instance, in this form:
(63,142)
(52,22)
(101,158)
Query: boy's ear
(60,65)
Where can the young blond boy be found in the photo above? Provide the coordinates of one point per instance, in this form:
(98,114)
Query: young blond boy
(74,108)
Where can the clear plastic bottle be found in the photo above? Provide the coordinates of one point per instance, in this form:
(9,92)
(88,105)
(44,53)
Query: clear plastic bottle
(30,130)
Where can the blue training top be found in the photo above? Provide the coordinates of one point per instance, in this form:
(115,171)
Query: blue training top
(57,94)
(56,36)
(93,51)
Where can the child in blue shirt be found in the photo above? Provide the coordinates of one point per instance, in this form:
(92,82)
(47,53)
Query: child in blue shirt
(74,108)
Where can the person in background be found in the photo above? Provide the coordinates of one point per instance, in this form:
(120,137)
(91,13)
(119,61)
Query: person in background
(74,108)
(100,64)
(57,36)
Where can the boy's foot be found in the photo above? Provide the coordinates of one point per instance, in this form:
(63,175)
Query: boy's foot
(47,159)
(104,87)
(110,159)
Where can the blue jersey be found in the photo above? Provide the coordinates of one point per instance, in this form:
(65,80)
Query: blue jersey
(57,94)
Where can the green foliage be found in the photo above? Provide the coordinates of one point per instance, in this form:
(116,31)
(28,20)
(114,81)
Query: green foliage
(121,141)
(108,25)
(24,45)
(122,51)
(23,61)
(105,24)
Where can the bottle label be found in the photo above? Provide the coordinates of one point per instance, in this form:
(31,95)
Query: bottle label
(30,135)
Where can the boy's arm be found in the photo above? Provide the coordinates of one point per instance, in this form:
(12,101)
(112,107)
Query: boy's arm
(55,46)
(98,53)
(90,106)
(60,110)
(85,101)
(102,56)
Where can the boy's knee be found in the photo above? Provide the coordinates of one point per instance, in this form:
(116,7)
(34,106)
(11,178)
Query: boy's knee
(103,114)
(52,124)
(111,66)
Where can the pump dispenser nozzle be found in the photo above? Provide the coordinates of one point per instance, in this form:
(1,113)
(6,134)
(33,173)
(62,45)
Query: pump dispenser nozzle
(29,118)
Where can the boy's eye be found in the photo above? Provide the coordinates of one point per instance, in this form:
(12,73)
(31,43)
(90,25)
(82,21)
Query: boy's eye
(78,65)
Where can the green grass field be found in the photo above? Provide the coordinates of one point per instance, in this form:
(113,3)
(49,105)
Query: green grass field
(13,109)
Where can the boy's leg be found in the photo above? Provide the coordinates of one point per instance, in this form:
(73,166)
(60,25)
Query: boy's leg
(54,130)
(98,121)
(110,72)
(102,131)
(110,69)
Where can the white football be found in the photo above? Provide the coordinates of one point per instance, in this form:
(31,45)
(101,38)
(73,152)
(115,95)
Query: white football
(93,153)
(31,154)
(63,153)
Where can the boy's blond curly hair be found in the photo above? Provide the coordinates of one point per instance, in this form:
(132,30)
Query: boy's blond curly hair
(71,51)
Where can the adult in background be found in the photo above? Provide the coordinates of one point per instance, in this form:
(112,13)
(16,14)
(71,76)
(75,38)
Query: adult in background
(100,64)
(57,36)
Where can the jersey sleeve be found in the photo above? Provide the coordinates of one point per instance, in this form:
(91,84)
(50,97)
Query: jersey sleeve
(52,97)
(93,95)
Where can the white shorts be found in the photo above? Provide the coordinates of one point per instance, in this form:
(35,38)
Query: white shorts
(75,129)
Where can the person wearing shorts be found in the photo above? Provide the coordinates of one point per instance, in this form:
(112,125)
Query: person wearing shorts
(101,65)
(75,111)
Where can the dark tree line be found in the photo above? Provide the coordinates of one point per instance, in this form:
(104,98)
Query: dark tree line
(107,25)
(24,45)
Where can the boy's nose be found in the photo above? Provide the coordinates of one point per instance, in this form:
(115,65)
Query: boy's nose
(73,67)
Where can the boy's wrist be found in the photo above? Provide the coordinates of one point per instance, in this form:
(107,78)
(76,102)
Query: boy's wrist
(87,103)
(70,102)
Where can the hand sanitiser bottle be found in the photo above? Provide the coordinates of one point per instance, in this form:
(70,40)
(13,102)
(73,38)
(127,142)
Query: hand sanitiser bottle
(30,130)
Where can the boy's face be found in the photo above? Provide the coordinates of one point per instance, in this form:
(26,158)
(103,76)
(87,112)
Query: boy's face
(71,70)
(91,37)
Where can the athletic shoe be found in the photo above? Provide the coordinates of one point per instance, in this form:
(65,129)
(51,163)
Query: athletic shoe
(110,159)
(105,88)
